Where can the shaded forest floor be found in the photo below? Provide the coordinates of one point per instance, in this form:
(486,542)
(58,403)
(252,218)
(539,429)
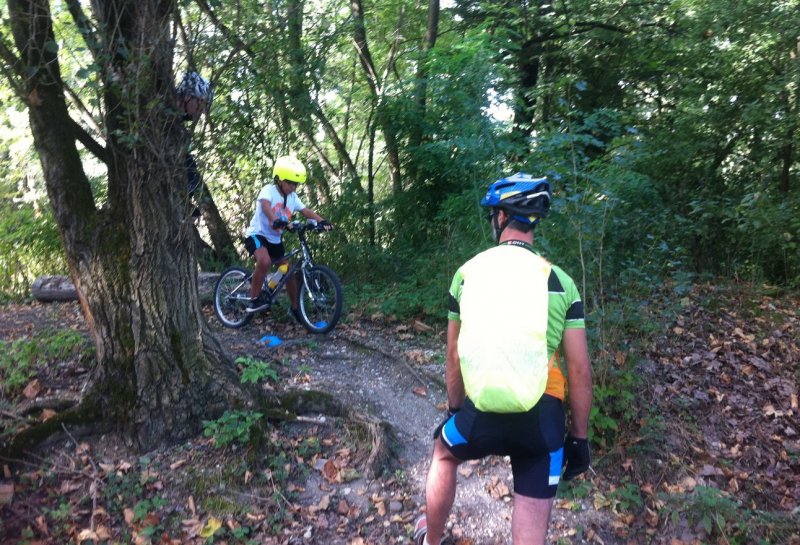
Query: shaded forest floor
(700,438)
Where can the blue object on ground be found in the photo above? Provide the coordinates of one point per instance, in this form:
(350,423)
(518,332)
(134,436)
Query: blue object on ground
(320,324)
(270,340)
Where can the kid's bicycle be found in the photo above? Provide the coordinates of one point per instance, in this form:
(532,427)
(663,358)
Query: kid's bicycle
(320,292)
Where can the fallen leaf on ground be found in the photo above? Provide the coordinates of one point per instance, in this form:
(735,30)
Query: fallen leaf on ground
(330,472)
(32,389)
(210,528)
(421,327)
(69,486)
(41,525)
(86,535)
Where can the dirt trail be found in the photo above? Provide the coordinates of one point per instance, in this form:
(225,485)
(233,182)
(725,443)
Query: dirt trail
(398,377)
(382,369)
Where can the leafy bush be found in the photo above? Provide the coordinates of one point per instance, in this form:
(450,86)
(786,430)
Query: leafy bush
(30,246)
(231,427)
(724,519)
(255,370)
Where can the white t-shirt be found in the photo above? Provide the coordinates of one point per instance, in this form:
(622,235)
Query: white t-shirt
(260,224)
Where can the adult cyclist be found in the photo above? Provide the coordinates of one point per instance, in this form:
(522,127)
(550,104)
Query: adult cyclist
(513,319)
(275,204)
(195,95)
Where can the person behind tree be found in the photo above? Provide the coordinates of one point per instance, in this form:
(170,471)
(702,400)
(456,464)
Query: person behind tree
(274,207)
(512,317)
(195,95)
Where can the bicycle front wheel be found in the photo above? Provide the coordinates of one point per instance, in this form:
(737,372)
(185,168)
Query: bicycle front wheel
(231,296)
(320,299)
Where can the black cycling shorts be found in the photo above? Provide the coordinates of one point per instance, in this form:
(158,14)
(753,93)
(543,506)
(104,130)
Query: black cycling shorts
(254,242)
(534,440)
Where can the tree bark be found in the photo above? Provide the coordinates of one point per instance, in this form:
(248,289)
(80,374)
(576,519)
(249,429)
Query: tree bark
(160,370)
(221,241)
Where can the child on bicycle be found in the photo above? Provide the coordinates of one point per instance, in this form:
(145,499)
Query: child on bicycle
(275,204)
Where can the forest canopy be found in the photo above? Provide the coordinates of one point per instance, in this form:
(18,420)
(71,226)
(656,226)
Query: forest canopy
(668,130)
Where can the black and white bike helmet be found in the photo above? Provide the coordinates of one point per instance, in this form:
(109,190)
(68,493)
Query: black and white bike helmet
(195,85)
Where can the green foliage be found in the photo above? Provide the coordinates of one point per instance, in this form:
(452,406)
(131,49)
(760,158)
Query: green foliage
(20,359)
(628,497)
(30,244)
(574,489)
(62,512)
(255,370)
(725,519)
(143,507)
(232,427)
(121,488)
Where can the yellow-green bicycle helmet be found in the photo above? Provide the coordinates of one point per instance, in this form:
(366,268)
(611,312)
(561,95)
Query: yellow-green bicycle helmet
(289,169)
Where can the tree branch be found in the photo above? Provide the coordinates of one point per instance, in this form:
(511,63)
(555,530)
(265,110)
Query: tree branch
(591,25)
(88,142)
(228,33)
(84,28)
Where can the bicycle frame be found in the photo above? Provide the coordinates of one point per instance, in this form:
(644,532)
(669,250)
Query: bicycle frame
(319,290)
(303,263)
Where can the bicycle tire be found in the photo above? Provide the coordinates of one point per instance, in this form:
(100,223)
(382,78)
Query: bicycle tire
(230,297)
(321,299)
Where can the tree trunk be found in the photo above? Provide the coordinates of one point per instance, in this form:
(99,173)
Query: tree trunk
(375,86)
(221,241)
(421,91)
(160,370)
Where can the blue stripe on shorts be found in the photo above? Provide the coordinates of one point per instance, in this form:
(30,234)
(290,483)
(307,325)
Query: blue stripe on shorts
(556,458)
(451,435)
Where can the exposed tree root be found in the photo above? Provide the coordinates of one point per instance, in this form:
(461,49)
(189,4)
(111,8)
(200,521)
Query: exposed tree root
(55,403)
(88,412)
(281,407)
(377,433)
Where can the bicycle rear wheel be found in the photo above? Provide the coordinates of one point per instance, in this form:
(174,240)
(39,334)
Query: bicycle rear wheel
(231,296)
(320,299)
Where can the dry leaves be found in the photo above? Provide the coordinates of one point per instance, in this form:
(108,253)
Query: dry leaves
(498,489)
(732,369)
(32,389)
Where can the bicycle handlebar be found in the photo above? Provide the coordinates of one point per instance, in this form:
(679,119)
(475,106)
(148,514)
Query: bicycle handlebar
(304,227)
